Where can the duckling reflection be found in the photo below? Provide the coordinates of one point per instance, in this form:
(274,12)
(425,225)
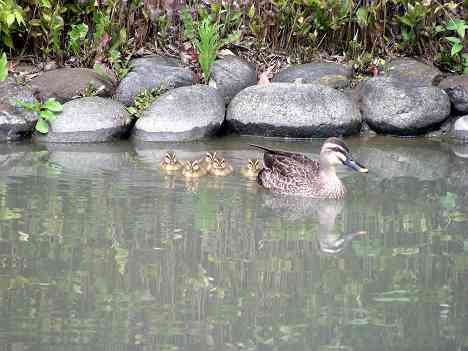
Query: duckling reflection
(293,209)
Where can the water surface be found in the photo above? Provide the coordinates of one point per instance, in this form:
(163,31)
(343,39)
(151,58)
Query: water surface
(100,250)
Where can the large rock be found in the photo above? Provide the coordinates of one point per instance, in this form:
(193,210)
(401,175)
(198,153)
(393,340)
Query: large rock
(66,84)
(182,114)
(232,74)
(152,73)
(411,71)
(457,89)
(293,110)
(394,107)
(15,121)
(333,75)
(88,120)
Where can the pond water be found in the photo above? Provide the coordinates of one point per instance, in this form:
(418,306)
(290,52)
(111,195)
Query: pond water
(100,250)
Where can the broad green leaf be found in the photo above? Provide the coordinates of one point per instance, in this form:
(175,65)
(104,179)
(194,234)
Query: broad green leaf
(42,126)
(439,29)
(53,105)
(453,40)
(3,67)
(10,19)
(456,48)
(362,15)
(47,115)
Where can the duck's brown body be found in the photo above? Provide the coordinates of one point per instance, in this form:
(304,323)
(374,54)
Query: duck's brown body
(292,173)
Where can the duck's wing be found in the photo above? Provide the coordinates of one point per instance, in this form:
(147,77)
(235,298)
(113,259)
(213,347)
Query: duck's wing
(290,167)
(299,158)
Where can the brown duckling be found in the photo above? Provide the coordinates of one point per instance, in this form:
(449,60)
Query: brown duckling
(192,169)
(170,162)
(220,168)
(207,161)
(251,169)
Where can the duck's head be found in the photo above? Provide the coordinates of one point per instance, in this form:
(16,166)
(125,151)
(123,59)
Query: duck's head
(334,152)
(170,158)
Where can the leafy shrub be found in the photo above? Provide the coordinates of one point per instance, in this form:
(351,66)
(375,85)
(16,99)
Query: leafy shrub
(46,112)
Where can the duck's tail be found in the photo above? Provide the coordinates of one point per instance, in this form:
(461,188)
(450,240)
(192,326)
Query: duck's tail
(263,148)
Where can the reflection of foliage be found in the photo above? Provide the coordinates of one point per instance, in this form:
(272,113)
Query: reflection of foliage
(103,265)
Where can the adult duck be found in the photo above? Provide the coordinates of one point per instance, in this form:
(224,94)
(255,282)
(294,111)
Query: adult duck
(293,173)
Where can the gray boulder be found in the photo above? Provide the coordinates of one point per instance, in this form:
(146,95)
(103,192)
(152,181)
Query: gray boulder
(232,74)
(411,71)
(65,84)
(88,120)
(151,73)
(457,89)
(182,114)
(15,121)
(394,107)
(293,110)
(333,75)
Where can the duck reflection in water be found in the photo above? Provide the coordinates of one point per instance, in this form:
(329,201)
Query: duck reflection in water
(294,209)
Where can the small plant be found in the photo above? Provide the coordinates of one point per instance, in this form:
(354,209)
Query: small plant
(46,111)
(3,67)
(143,100)
(11,15)
(205,38)
(458,26)
(77,37)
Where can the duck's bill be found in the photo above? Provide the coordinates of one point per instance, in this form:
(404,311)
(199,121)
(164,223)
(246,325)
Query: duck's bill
(355,165)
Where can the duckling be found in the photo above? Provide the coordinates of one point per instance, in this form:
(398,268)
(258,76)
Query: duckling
(295,174)
(221,168)
(192,169)
(207,161)
(170,162)
(251,169)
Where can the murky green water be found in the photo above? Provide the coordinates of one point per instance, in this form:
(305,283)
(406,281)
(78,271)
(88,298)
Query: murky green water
(99,250)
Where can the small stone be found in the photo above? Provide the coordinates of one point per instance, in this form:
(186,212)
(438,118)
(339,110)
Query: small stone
(459,130)
(88,120)
(16,122)
(182,114)
(66,84)
(333,75)
(293,110)
(411,71)
(232,74)
(391,106)
(149,73)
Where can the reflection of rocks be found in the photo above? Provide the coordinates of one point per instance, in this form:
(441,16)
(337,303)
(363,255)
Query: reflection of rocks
(423,160)
(89,159)
(460,150)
